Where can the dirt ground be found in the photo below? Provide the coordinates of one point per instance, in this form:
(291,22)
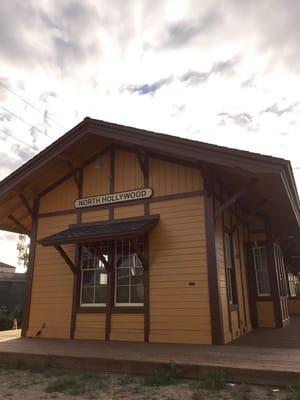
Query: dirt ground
(35,384)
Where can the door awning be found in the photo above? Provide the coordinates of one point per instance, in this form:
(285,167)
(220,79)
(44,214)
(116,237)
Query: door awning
(108,230)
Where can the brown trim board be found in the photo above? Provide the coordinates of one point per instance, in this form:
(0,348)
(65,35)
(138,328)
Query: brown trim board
(76,277)
(217,329)
(126,204)
(29,278)
(273,275)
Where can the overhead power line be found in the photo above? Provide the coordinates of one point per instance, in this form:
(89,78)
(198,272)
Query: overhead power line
(30,104)
(27,123)
(19,140)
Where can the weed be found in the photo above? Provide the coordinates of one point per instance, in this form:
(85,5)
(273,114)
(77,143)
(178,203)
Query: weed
(76,384)
(162,377)
(242,392)
(128,379)
(215,380)
(199,395)
(293,394)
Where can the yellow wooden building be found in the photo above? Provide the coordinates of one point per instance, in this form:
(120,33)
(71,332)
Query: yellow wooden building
(140,236)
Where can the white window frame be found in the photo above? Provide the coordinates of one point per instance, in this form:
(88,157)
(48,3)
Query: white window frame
(259,248)
(281,271)
(82,270)
(129,286)
(228,267)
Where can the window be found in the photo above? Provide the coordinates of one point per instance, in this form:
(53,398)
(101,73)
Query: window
(129,274)
(294,285)
(93,275)
(259,254)
(280,267)
(229,269)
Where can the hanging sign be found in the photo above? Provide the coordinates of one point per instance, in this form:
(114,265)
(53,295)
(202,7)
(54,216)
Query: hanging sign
(104,199)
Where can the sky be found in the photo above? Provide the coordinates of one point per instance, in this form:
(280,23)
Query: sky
(219,71)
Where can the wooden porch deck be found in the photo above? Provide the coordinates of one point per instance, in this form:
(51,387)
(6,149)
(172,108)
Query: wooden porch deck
(266,356)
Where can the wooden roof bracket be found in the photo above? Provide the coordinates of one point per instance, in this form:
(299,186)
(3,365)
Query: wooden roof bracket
(27,205)
(141,156)
(75,174)
(19,225)
(236,196)
(207,178)
(67,259)
(249,214)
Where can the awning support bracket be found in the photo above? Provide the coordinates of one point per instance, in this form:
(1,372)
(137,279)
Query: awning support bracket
(19,224)
(236,196)
(67,259)
(139,253)
(107,265)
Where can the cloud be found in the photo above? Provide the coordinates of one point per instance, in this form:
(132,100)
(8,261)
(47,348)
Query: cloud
(195,77)
(44,96)
(220,67)
(240,119)
(56,35)
(23,153)
(275,109)
(182,32)
(149,88)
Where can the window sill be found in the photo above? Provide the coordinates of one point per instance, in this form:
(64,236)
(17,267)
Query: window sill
(114,310)
(127,310)
(82,310)
(264,298)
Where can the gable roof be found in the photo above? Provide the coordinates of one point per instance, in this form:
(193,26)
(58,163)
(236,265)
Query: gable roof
(4,266)
(50,164)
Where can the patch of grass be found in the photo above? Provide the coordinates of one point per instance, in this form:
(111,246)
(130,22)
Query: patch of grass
(199,395)
(293,394)
(215,380)
(242,392)
(128,379)
(84,384)
(162,377)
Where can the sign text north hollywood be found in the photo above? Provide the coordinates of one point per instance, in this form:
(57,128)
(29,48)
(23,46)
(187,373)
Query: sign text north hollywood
(101,200)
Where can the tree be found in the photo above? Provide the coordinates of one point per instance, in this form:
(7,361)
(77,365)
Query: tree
(23,251)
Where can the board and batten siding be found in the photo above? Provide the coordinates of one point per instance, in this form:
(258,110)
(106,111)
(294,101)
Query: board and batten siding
(52,288)
(60,198)
(179,299)
(128,173)
(169,178)
(128,327)
(96,181)
(90,326)
(222,280)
